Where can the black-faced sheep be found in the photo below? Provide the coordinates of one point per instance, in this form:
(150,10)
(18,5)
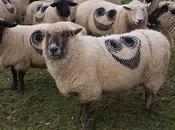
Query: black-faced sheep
(46,12)
(20,47)
(88,65)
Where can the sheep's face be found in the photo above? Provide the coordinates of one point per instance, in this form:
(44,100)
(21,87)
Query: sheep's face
(103,19)
(39,16)
(63,7)
(56,47)
(138,13)
(9,6)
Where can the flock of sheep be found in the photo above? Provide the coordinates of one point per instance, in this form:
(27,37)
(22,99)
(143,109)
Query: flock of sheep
(88,46)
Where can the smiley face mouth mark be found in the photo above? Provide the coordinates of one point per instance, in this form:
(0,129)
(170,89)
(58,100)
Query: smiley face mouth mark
(102,27)
(39,20)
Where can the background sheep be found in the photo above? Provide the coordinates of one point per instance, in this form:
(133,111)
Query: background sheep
(46,12)
(87,65)
(133,16)
(73,10)
(7,10)
(166,19)
(104,18)
(154,4)
(23,50)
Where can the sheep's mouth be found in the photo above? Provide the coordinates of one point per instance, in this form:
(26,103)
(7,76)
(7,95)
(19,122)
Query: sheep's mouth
(101,26)
(55,57)
(39,20)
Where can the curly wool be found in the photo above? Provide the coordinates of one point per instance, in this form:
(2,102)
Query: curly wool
(89,68)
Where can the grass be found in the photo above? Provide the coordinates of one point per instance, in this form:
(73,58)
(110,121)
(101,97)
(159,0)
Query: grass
(43,108)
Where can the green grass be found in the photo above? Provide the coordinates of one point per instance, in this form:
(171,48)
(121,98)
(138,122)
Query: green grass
(43,108)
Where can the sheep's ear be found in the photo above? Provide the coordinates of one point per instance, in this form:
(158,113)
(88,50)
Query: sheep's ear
(148,5)
(74,32)
(127,8)
(54,4)
(148,1)
(72,3)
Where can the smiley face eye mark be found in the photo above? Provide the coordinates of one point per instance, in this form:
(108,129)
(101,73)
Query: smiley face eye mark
(43,9)
(129,41)
(113,45)
(100,12)
(36,39)
(6,3)
(38,7)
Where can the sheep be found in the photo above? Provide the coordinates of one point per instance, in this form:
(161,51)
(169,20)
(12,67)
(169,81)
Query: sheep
(73,10)
(104,18)
(89,66)
(7,10)
(20,47)
(47,12)
(166,19)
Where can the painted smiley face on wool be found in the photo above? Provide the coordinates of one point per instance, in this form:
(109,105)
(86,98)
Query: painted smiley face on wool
(138,13)
(41,9)
(126,50)
(102,16)
(36,39)
(9,6)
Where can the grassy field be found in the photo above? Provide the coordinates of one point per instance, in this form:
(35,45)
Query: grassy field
(43,108)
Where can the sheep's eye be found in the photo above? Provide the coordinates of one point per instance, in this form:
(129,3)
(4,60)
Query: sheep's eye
(4,1)
(38,7)
(44,8)
(129,41)
(100,11)
(113,45)
(37,37)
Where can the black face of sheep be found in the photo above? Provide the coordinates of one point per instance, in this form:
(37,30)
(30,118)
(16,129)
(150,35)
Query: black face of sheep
(154,16)
(173,11)
(63,7)
(57,42)
(3,25)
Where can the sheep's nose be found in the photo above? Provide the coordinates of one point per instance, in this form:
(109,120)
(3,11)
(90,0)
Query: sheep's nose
(139,21)
(53,49)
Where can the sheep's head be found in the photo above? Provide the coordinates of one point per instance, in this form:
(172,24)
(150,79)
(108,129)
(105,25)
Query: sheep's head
(104,19)
(138,13)
(4,25)
(9,6)
(40,8)
(56,43)
(63,7)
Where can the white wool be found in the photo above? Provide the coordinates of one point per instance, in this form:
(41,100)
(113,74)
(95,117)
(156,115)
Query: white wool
(49,16)
(16,49)
(5,14)
(89,68)
(125,21)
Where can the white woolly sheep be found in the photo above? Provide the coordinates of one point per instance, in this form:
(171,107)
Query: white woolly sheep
(73,10)
(102,18)
(88,66)
(20,47)
(46,12)
(7,10)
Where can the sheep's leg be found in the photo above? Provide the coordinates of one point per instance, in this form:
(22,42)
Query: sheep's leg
(149,99)
(14,79)
(21,75)
(85,117)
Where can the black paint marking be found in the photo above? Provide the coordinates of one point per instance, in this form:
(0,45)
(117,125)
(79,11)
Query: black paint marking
(130,42)
(100,12)
(39,20)
(6,2)
(36,39)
